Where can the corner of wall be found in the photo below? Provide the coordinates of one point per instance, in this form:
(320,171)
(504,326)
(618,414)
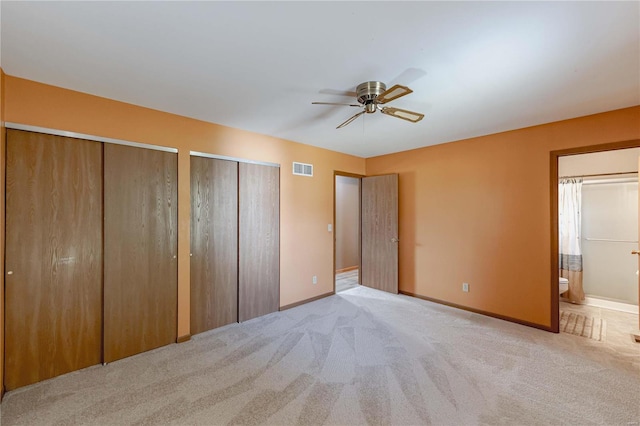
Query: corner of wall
(467,207)
(2,161)
(38,104)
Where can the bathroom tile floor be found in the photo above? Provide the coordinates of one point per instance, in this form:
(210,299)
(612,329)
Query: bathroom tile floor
(619,334)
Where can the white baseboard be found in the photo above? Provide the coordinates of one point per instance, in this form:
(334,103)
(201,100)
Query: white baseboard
(608,304)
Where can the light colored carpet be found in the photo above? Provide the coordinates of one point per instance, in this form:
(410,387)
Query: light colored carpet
(583,326)
(361,357)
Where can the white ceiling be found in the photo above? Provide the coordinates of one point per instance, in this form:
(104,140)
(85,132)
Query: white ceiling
(476,68)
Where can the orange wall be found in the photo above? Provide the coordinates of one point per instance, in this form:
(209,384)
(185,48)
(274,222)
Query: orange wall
(478,211)
(306,204)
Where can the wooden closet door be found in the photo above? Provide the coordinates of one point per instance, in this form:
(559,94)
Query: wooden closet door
(259,239)
(140,250)
(53,256)
(214,243)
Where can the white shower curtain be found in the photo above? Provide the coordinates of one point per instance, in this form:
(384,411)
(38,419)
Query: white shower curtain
(570,223)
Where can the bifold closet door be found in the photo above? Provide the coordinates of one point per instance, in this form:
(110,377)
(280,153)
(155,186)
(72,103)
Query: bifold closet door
(140,250)
(214,243)
(53,321)
(259,240)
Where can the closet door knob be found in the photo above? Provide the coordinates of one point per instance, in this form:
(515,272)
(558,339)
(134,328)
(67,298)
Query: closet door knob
(635,252)
(9,272)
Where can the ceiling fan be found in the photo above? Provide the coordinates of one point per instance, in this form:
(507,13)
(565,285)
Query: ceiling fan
(371,95)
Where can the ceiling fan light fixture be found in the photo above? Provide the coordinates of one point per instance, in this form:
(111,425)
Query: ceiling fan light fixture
(393,93)
(414,117)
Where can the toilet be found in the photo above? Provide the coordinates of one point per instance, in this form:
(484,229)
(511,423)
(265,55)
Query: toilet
(564,285)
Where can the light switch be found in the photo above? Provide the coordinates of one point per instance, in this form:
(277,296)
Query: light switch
(329,227)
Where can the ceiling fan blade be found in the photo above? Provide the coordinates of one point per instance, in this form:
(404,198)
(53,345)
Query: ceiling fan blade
(393,93)
(414,117)
(351,119)
(334,103)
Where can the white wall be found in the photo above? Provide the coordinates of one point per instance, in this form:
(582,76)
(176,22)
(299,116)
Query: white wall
(620,160)
(347,222)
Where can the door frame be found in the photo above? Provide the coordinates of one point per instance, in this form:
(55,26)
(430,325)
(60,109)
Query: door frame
(359,177)
(553,190)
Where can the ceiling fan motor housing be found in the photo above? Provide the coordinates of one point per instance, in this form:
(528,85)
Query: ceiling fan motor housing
(368,92)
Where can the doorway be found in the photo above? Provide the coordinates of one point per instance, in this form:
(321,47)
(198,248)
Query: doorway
(603,182)
(366,237)
(347,232)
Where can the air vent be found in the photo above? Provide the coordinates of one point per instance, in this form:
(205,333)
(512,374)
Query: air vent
(302,169)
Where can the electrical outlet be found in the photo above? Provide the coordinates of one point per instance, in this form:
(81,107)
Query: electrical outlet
(465,287)
(314,279)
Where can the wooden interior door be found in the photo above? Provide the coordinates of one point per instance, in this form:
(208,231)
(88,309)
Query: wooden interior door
(380,232)
(140,250)
(53,270)
(214,243)
(259,240)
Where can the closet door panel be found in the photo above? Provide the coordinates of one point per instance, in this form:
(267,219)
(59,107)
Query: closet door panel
(214,243)
(53,320)
(140,263)
(259,240)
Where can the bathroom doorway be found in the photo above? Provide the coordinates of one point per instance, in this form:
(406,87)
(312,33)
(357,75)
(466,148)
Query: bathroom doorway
(347,231)
(600,299)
